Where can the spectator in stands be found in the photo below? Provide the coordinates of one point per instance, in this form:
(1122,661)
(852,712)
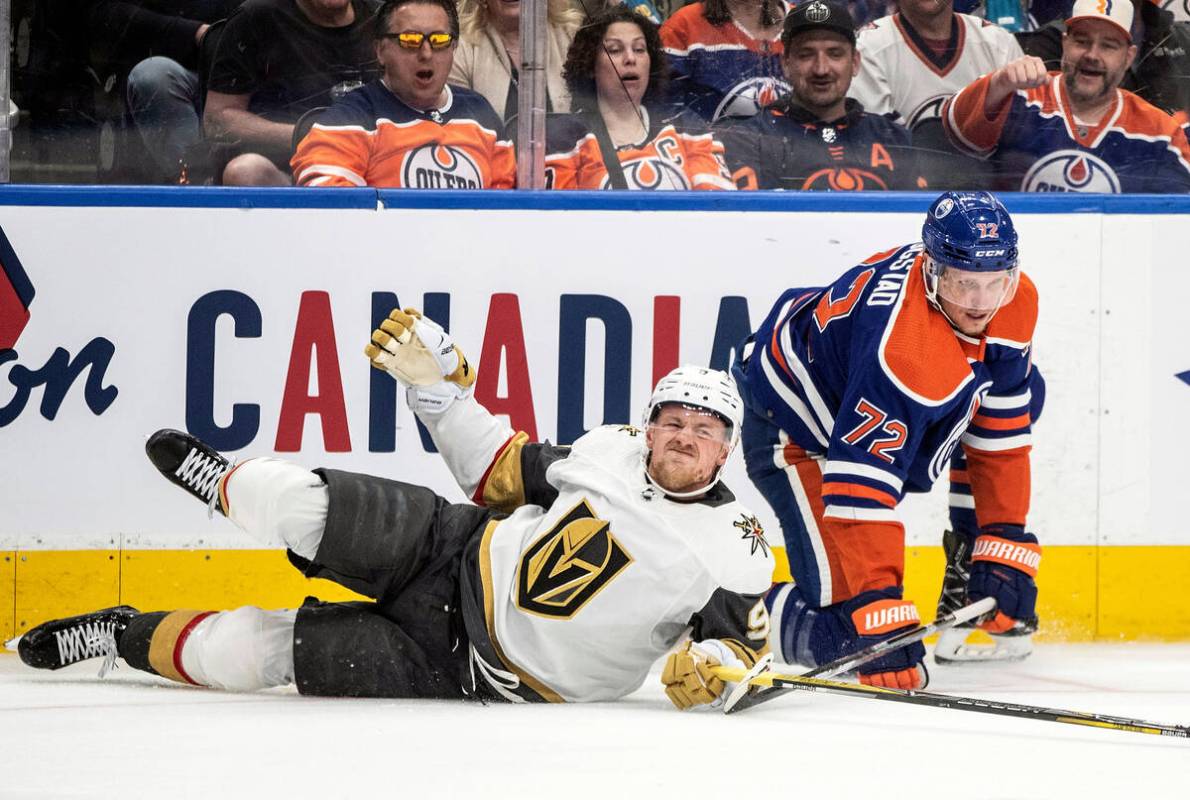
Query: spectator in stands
(816,137)
(489,53)
(1160,73)
(160,40)
(726,56)
(275,60)
(1075,130)
(615,71)
(911,61)
(409,128)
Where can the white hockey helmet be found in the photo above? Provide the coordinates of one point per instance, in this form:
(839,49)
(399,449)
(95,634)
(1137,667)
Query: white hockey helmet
(710,390)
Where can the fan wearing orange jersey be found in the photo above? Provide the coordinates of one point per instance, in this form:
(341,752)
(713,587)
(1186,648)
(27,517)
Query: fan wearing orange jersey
(409,129)
(616,72)
(862,391)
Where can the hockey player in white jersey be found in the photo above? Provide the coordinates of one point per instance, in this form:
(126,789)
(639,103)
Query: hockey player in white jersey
(577,569)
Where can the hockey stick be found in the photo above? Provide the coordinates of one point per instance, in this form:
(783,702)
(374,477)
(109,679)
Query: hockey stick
(933,700)
(849,662)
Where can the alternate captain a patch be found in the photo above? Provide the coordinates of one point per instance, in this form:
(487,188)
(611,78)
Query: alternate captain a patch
(571,563)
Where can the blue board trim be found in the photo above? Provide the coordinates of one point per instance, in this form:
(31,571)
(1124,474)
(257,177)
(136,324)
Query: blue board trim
(870,202)
(185,197)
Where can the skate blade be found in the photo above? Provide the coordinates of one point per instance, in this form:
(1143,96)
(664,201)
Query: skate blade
(952,648)
(11,644)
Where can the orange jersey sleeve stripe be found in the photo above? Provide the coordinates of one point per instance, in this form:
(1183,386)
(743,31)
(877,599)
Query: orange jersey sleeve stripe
(858,490)
(1001,423)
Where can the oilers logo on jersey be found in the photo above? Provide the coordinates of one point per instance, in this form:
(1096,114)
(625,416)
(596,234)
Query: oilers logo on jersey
(569,564)
(1179,8)
(652,173)
(1071,171)
(929,109)
(845,179)
(748,97)
(435,166)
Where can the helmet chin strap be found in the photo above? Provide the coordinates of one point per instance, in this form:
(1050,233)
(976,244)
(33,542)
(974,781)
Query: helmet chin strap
(651,481)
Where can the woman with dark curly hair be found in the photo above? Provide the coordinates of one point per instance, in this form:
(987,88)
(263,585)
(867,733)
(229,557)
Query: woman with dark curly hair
(621,135)
(726,56)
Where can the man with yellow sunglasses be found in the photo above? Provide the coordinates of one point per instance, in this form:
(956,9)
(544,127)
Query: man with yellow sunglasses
(409,129)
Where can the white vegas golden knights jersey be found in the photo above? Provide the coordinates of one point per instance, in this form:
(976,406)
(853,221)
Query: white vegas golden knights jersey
(594,576)
(900,73)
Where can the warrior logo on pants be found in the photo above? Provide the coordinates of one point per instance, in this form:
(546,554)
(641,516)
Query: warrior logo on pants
(569,565)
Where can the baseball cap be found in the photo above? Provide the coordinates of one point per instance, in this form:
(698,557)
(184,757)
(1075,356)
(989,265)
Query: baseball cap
(1117,12)
(820,15)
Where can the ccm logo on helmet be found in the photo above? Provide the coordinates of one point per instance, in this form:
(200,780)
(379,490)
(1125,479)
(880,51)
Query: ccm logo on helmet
(989,253)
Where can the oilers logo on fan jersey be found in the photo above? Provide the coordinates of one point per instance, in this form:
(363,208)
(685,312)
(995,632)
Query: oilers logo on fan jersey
(1179,8)
(1071,171)
(720,70)
(1135,146)
(676,154)
(746,98)
(371,138)
(436,166)
(930,109)
(652,173)
(787,147)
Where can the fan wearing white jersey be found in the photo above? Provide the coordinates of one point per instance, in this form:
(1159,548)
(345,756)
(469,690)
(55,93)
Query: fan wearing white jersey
(911,61)
(577,569)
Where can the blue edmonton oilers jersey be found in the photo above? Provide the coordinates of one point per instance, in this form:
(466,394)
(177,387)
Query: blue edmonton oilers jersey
(1035,138)
(867,372)
(720,70)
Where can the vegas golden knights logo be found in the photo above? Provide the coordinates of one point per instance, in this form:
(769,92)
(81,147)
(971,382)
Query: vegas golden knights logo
(569,565)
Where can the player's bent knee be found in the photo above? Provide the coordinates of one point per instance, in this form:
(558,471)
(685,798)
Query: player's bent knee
(278,502)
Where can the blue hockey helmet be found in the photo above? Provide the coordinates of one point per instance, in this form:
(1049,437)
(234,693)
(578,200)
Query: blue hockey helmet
(971,231)
(971,266)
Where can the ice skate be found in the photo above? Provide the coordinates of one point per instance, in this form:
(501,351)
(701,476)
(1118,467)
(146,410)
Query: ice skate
(189,463)
(62,642)
(953,647)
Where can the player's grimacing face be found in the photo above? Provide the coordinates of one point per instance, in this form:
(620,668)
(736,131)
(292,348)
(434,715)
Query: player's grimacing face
(417,77)
(1095,56)
(622,64)
(687,447)
(820,65)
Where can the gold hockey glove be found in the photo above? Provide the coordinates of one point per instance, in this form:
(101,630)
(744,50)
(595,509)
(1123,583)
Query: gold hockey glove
(418,352)
(688,678)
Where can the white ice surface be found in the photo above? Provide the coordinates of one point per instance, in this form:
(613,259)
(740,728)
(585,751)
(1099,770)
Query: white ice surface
(69,734)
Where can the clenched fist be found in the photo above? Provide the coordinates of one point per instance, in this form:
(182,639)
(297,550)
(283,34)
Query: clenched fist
(1026,72)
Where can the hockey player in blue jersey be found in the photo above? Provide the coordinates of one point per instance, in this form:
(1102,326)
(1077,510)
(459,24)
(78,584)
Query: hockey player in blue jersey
(861,391)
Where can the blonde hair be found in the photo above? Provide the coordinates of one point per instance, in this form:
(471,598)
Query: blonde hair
(473,16)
